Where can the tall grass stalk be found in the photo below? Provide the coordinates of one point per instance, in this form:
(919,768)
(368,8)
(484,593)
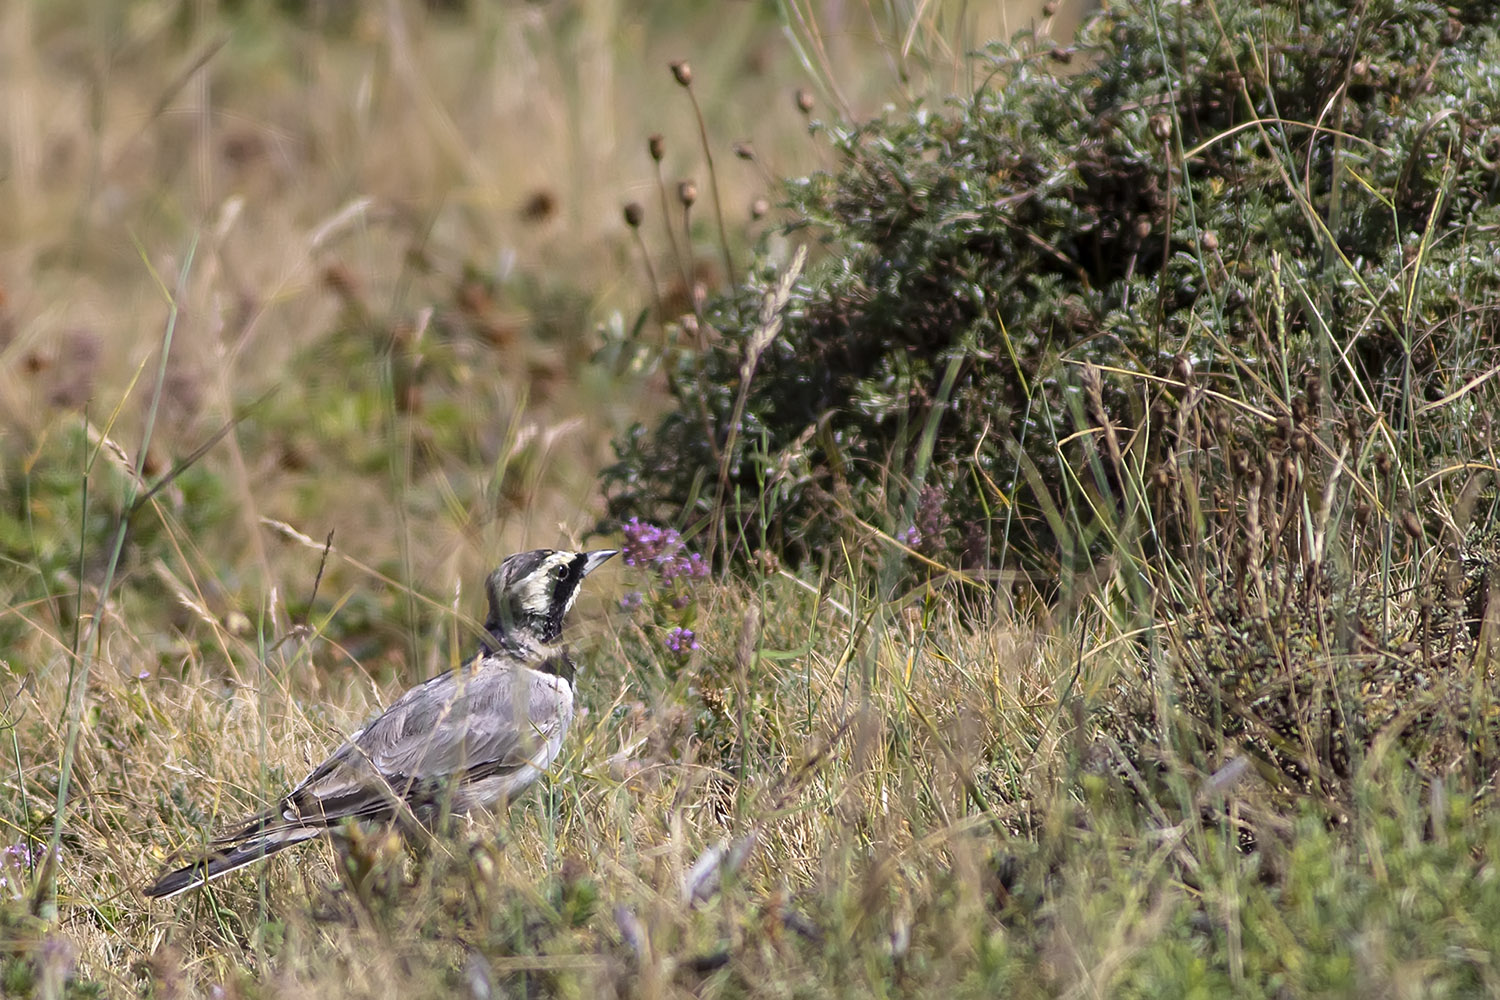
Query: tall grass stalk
(81,660)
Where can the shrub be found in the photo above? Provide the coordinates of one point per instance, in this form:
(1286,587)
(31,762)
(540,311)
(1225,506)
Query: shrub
(1265,195)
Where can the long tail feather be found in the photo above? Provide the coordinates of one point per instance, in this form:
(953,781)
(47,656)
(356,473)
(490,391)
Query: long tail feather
(222,862)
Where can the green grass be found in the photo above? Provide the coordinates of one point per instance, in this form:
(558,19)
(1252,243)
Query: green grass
(913,784)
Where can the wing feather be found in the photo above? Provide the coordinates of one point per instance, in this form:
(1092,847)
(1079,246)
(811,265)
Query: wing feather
(456,729)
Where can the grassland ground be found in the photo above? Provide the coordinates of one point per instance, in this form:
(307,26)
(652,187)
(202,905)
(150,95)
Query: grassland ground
(310,312)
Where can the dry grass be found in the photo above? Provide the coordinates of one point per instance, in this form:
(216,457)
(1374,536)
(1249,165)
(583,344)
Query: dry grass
(379,240)
(307,209)
(854,800)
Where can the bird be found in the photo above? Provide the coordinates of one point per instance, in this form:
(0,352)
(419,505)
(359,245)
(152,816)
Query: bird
(466,739)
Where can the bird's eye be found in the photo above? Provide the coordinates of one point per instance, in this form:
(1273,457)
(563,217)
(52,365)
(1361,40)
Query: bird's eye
(559,573)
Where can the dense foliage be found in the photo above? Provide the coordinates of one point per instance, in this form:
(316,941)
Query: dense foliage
(1265,195)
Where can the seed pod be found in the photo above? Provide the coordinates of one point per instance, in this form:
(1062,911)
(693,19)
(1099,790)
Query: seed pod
(1182,367)
(682,73)
(656,146)
(634,214)
(687,193)
(805,101)
(1314,389)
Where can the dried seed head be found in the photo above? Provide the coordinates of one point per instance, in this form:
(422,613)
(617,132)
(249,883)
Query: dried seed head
(1383,464)
(341,281)
(744,150)
(1209,241)
(1161,127)
(687,193)
(1411,524)
(656,146)
(805,102)
(634,214)
(539,206)
(1182,367)
(682,73)
(1142,228)
(1313,386)
(759,207)
(1061,55)
(766,561)
(744,649)
(1049,8)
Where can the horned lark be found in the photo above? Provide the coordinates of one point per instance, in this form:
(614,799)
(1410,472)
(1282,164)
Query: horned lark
(468,738)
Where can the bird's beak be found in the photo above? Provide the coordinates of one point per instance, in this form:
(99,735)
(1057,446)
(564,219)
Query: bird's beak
(597,558)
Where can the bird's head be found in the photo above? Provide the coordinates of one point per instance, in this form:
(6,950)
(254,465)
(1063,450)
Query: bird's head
(532,591)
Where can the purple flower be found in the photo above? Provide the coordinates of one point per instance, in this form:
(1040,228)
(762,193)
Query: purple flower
(682,567)
(911,537)
(932,519)
(682,641)
(15,861)
(631,601)
(647,543)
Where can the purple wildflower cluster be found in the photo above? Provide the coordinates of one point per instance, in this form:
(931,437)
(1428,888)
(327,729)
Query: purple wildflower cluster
(646,543)
(683,567)
(662,551)
(682,641)
(15,861)
(931,523)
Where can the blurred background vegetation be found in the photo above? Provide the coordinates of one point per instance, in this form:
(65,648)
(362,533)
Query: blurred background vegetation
(1088,436)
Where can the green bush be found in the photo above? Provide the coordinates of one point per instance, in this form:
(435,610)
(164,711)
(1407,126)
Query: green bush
(1269,196)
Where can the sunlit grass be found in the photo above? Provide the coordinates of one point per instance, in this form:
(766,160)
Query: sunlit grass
(387,236)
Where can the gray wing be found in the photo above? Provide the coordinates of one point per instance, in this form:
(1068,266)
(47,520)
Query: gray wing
(454,730)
